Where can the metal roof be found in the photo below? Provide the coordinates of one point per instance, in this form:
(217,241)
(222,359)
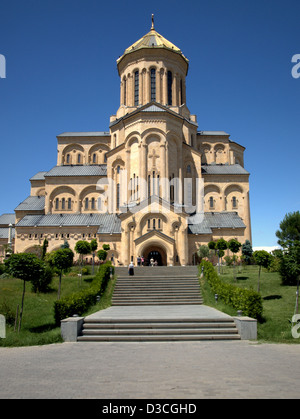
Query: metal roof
(85,134)
(4,232)
(78,170)
(38,176)
(212,133)
(223,169)
(6,219)
(32,203)
(107,223)
(216,220)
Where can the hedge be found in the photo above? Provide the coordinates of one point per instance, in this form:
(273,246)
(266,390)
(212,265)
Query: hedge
(79,302)
(249,301)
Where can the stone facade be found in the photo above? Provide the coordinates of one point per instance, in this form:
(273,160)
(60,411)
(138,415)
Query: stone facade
(140,186)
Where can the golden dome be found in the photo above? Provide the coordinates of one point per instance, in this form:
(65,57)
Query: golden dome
(153,40)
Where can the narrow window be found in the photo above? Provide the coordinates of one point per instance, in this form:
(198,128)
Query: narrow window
(234,202)
(149,186)
(93,203)
(153,223)
(125,92)
(159,223)
(211,202)
(188,169)
(68,158)
(149,223)
(136,88)
(56,203)
(79,158)
(170,80)
(63,201)
(153,84)
(94,158)
(118,195)
(86,203)
(69,203)
(181,93)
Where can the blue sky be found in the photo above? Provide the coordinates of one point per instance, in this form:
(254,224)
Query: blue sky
(61,76)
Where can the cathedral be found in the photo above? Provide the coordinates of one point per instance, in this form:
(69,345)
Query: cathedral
(153,186)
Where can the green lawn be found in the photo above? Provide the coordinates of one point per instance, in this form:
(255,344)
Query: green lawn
(38,327)
(278,301)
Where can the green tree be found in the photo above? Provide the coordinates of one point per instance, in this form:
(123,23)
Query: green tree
(94,246)
(289,231)
(102,253)
(82,247)
(234,246)
(263,259)
(27,267)
(247,251)
(44,248)
(221,246)
(203,251)
(61,260)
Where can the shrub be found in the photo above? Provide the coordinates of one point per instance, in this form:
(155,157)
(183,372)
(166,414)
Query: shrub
(249,301)
(42,283)
(79,302)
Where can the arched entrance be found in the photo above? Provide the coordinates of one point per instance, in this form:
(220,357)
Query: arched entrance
(157,253)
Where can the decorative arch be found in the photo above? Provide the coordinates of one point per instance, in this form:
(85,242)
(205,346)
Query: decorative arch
(70,154)
(96,154)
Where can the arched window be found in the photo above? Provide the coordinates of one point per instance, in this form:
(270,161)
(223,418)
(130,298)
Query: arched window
(118,196)
(211,202)
(170,82)
(68,158)
(93,203)
(136,88)
(125,91)
(94,158)
(56,203)
(153,223)
(78,158)
(234,202)
(86,206)
(188,169)
(69,203)
(63,201)
(149,223)
(153,84)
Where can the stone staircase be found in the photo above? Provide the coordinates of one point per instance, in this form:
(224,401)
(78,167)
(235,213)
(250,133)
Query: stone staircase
(157,286)
(158,304)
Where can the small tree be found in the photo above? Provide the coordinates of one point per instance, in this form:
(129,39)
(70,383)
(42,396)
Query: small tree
(61,260)
(25,266)
(203,251)
(263,259)
(44,248)
(221,246)
(83,248)
(234,246)
(247,251)
(94,246)
(102,254)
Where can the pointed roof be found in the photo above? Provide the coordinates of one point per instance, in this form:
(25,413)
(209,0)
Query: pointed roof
(152,40)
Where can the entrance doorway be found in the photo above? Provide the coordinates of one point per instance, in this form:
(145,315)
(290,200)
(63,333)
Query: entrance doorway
(157,253)
(156,256)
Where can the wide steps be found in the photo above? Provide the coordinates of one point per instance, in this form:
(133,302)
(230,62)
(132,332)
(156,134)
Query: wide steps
(158,330)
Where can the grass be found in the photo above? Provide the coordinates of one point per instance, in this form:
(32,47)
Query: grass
(278,301)
(38,326)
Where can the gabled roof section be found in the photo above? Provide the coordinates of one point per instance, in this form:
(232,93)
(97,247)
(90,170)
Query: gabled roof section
(32,203)
(78,170)
(213,220)
(6,219)
(223,169)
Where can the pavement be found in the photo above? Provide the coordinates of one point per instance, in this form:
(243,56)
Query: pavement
(151,370)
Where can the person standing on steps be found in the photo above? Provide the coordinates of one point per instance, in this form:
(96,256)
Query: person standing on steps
(131,269)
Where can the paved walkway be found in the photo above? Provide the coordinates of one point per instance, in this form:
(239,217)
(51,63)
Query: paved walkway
(165,370)
(199,311)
